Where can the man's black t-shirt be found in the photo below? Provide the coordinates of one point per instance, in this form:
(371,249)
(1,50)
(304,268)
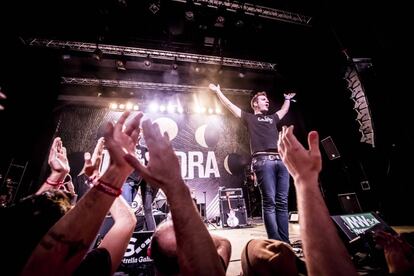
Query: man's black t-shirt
(262,131)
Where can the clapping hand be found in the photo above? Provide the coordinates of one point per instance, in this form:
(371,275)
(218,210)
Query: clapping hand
(121,139)
(163,168)
(92,163)
(58,160)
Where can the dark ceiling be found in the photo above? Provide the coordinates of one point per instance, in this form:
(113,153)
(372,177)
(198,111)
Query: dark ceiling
(309,59)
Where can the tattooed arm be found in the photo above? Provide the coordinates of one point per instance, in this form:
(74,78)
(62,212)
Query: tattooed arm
(62,249)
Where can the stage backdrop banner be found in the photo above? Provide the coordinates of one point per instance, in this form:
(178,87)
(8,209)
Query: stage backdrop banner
(213,150)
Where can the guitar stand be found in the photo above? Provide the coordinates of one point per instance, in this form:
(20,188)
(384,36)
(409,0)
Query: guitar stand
(209,223)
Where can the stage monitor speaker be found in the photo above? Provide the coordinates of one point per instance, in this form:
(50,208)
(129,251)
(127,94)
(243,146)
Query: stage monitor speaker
(330,148)
(238,205)
(349,203)
(351,226)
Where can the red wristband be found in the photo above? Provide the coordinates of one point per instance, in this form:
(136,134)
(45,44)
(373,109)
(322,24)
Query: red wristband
(54,183)
(108,188)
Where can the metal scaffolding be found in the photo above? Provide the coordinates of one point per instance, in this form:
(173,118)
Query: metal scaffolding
(153,53)
(256,10)
(148,85)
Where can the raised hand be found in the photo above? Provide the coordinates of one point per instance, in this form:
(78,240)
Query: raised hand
(214,88)
(59,167)
(300,162)
(163,169)
(121,141)
(397,252)
(92,163)
(289,96)
(58,160)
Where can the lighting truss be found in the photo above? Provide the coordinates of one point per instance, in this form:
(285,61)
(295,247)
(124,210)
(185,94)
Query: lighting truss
(148,85)
(153,53)
(255,10)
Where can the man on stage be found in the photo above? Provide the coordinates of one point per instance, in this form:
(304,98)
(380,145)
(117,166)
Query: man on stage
(271,173)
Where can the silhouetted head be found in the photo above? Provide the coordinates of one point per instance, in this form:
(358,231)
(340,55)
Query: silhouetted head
(26,222)
(164,249)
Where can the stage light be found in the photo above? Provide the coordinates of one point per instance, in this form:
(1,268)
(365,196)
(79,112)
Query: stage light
(242,72)
(170,108)
(162,108)
(153,107)
(239,23)
(123,3)
(210,110)
(180,110)
(113,106)
(121,63)
(121,106)
(66,53)
(175,64)
(136,107)
(155,7)
(147,61)
(97,53)
(189,10)
(220,19)
(197,109)
(129,106)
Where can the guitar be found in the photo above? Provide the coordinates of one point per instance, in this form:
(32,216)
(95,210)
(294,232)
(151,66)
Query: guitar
(232,220)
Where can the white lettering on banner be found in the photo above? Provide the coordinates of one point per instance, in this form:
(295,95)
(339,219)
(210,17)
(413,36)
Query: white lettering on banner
(143,245)
(195,159)
(206,165)
(144,259)
(360,222)
(132,260)
(211,165)
(130,250)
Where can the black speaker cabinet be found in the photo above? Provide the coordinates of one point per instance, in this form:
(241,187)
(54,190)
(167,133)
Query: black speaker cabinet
(238,206)
(330,148)
(349,203)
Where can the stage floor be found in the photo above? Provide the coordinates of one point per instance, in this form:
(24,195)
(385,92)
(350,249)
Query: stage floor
(240,236)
